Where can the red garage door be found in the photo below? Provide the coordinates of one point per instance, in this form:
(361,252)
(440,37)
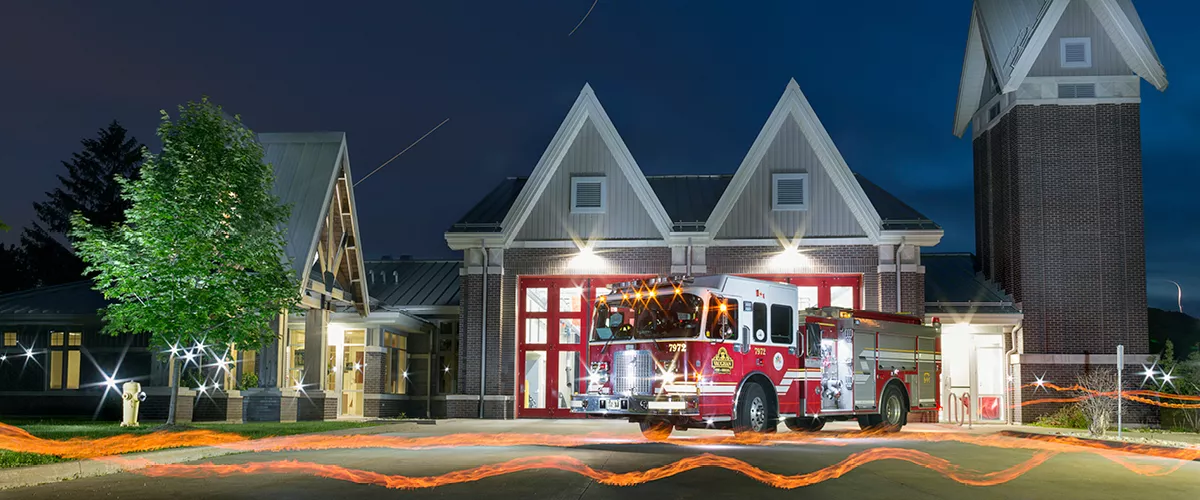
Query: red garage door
(553,315)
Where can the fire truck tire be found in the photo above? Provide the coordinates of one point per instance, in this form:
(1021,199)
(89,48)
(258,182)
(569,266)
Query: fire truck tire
(655,429)
(891,416)
(754,412)
(804,424)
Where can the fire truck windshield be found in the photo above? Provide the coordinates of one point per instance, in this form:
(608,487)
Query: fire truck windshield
(666,316)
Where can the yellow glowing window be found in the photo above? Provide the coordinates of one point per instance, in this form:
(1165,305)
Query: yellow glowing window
(73,369)
(10,339)
(55,369)
(74,339)
(56,339)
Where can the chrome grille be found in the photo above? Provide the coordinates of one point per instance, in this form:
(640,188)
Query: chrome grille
(633,373)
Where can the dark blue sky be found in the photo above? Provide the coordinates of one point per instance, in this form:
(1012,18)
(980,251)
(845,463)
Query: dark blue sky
(687,84)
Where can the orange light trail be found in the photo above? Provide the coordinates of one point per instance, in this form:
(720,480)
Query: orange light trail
(17,439)
(1138,395)
(574,465)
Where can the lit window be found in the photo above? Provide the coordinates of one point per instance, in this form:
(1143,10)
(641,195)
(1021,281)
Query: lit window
(789,191)
(10,339)
(63,361)
(588,195)
(395,381)
(74,339)
(56,339)
(1075,52)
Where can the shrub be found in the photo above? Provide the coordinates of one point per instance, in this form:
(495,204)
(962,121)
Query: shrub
(1099,410)
(1069,417)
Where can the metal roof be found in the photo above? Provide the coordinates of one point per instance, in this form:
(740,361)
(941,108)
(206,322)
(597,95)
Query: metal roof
(305,169)
(688,199)
(953,285)
(406,283)
(895,214)
(76,298)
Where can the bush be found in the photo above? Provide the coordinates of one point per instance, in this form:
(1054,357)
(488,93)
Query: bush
(1069,417)
(249,381)
(1099,410)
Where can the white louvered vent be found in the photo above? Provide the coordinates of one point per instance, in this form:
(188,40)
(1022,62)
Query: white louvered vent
(1076,90)
(588,194)
(789,191)
(1075,52)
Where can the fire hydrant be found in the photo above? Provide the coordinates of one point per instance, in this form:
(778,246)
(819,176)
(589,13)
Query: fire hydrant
(132,397)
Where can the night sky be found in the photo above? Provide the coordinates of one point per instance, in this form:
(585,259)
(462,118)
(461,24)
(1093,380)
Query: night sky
(687,84)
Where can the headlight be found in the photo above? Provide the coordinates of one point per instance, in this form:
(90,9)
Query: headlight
(667,377)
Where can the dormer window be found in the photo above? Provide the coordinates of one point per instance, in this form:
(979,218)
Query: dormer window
(1075,52)
(588,195)
(789,191)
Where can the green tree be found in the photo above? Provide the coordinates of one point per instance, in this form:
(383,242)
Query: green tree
(90,188)
(198,261)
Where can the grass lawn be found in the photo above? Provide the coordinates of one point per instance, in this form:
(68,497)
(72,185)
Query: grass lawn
(66,429)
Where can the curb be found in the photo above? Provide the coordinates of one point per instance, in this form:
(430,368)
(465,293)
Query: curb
(1137,448)
(20,477)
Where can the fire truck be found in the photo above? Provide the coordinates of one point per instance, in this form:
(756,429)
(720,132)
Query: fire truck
(728,352)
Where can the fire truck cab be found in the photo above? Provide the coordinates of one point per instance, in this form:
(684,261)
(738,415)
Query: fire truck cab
(739,353)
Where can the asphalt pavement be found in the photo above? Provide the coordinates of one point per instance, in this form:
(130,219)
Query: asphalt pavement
(891,467)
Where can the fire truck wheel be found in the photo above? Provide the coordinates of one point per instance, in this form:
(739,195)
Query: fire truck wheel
(655,429)
(804,424)
(754,412)
(892,416)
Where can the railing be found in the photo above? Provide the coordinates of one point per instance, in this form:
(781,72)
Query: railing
(960,409)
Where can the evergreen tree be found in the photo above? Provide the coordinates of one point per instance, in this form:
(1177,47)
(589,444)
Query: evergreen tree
(90,188)
(12,269)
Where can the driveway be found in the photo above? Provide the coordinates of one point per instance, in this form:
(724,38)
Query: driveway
(607,461)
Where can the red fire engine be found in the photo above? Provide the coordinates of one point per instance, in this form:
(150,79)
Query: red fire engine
(739,353)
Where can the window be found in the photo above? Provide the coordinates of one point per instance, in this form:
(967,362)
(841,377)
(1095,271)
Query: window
(10,339)
(63,362)
(781,324)
(1075,52)
(395,380)
(588,195)
(813,333)
(993,111)
(760,322)
(1076,90)
(789,191)
(719,317)
(295,358)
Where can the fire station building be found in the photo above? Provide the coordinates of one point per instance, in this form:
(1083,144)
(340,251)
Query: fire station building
(538,249)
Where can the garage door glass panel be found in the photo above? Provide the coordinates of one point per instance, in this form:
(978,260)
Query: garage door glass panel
(568,375)
(841,296)
(536,299)
(569,331)
(570,300)
(808,297)
(535,330)
(535,379)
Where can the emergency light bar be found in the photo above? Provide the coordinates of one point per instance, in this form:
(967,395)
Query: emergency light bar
(634,285)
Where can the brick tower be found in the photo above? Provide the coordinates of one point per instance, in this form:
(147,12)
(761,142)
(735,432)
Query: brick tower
(1050,90)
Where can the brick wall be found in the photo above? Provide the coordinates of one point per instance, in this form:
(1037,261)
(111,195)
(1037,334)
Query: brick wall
(841,259)
(1059,208)
(218,408)
(375,373)
(1066,375)
(261,406)
(157,405)
(316,407)
(912,292)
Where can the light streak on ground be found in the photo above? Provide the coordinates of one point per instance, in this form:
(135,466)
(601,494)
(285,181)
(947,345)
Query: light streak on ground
(17,439)
(574,465)
(1138,395)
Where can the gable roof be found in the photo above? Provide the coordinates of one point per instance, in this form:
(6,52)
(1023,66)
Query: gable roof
(307,167)
(1005,37)
(75,298)
(794,106)
(689,200)
(409,283)
(586,108)
(954,287)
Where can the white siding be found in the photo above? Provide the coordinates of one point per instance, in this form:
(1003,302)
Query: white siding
(304,167)
(827,214)
(625,216)
(1079,21)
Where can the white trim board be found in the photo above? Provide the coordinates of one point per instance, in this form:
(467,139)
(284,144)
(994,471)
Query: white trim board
(792,104)
(586,107)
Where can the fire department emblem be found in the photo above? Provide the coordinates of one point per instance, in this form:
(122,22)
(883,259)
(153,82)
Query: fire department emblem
(925,377)
(778,360)
(722,363)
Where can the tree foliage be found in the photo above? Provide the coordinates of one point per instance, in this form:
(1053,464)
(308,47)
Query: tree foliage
(91,188)
(199,257)
(1100,410)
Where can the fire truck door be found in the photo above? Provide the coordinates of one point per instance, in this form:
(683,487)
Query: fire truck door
(864,370)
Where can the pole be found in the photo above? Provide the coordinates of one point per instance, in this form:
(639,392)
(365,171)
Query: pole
(1120,366)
